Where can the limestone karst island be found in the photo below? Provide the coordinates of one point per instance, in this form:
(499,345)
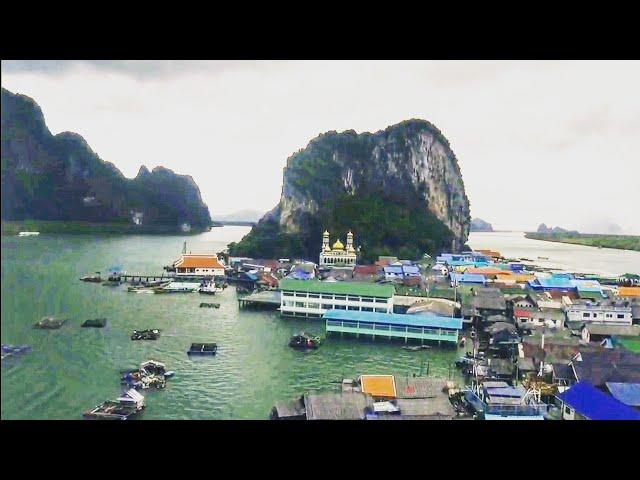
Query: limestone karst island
(368,291)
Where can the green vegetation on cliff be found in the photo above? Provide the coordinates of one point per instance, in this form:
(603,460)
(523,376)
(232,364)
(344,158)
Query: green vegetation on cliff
(622,242)
(59,178)
(381,227)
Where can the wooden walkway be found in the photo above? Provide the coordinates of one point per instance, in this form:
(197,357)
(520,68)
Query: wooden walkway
(264,299)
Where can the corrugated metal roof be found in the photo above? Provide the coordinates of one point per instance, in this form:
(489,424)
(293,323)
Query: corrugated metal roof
(340,288)
(627,393)
(414,320)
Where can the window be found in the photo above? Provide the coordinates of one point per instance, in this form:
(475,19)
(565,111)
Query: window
(567,410)
(621,315)
(340,307)
(586,315)
(609,315)
(314,305)
(367,309)
(314,295)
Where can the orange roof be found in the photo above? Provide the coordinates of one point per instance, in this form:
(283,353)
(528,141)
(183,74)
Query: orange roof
(487,271)
(629,291)
(379,385)
(198,261)
(515,277)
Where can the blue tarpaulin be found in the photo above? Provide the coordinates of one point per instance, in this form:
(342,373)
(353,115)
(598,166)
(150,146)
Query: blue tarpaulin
(593,404)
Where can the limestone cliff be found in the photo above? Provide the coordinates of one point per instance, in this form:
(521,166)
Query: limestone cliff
(400,190)
(59,177)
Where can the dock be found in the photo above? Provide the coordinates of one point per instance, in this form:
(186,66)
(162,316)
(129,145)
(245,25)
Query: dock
(265,299)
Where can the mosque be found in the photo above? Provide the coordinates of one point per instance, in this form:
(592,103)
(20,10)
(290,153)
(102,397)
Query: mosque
(338,255)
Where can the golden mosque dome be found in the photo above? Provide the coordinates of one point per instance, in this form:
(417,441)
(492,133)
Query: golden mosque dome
(338,245)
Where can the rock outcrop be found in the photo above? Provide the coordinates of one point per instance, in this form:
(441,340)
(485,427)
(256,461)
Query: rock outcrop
(47,177)
(479,225)
(399,190)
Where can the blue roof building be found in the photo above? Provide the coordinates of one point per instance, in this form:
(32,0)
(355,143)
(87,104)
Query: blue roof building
(468,278)
(583,400)
(393,325)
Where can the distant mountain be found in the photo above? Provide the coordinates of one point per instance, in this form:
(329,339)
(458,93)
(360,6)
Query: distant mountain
(479,225)
(240,216)
(542,228)
(59,177)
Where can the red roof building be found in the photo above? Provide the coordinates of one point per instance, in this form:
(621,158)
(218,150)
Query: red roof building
(198,265)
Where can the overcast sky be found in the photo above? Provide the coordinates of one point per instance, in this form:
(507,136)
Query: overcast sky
(554,142)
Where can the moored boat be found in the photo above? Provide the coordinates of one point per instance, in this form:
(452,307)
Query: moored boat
(95,278)
(49,323)
(304,340)
(95,322)
(153,334)
(28,234)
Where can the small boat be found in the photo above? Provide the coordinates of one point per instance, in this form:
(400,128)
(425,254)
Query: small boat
(95,278)
(50,323)
(543,258)
(209,289)
(145,334)
(95,322)
(169,374)
(209,305)
(28,234)
(304,340)
(178,287)
(415,348)
(9,351)
(203,349)
(140,289)
(150,374)
(129,404)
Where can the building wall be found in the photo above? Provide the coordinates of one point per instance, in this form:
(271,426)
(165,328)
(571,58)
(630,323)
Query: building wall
(600,315)
(204,272)
(316,304)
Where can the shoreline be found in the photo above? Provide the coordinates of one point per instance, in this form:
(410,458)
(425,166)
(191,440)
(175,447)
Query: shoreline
(590,240)
(12,228)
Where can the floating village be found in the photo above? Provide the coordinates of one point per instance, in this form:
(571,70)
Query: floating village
(535,343)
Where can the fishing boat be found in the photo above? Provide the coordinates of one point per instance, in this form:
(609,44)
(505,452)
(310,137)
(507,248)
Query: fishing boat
(95,278)
(304,340)
(95,323)
(49,323)
(209,289)
(145,334)
(129,404)
(28,234)
(140,289)
(203,349)
(9,351)
(178,287)
(543,258)
(150,374)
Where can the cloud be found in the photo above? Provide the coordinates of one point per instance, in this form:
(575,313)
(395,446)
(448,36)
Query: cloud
(552,142)
(139,69)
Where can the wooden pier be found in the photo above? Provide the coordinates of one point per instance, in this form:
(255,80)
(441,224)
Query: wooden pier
(139,278)
(265,299)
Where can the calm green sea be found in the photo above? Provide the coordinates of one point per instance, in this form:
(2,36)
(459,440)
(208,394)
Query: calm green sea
(72,369)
